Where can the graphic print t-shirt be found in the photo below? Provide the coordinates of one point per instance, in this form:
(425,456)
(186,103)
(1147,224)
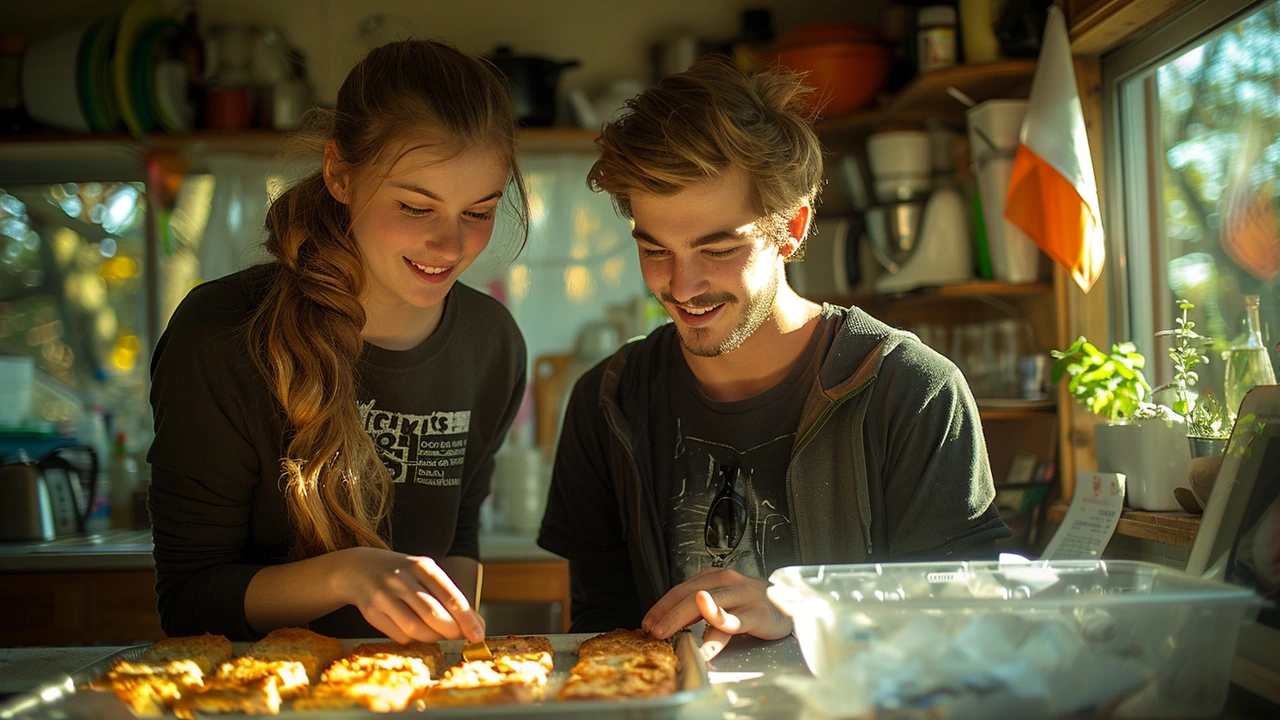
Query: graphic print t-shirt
(436,414)
(701,437)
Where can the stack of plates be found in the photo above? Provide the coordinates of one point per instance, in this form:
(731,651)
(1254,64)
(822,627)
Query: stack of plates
(118,73)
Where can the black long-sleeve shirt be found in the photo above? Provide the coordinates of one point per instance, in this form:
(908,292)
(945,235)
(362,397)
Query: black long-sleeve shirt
(437,413)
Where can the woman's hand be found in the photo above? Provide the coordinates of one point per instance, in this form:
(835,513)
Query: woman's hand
(406,597)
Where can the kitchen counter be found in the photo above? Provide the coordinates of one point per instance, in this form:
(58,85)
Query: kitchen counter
(744,681)
(741,677)
(131,550)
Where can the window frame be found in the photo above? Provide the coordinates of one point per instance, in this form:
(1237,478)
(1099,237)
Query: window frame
(1138,286)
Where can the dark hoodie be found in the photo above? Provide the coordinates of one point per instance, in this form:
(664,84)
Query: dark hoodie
(888,465)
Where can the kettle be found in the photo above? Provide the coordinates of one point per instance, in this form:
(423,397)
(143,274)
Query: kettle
(49,498)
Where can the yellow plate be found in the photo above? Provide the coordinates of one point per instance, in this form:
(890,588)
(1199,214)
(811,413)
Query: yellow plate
(136,16)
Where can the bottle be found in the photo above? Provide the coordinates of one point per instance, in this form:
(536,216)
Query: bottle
(122,474)
(1248,362)
(98,437)
(935,38)
(977,25)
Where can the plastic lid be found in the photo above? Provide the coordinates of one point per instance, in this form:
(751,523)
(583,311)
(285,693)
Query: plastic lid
(936,15)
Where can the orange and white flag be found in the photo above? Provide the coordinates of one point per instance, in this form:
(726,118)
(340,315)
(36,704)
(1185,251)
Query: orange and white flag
(1053,196)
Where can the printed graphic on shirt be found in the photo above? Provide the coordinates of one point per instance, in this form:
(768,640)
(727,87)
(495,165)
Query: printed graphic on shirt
(760,486)
(420,449)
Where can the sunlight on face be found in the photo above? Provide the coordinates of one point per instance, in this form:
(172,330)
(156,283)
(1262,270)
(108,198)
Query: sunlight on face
(424,222)
(711,260)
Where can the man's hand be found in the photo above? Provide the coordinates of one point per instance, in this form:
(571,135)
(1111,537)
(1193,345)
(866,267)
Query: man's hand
(730,602)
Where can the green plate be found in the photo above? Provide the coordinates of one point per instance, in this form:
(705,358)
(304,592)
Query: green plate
(84,78)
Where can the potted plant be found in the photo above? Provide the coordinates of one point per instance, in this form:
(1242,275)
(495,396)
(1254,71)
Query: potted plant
(1141,440)
(1208,427)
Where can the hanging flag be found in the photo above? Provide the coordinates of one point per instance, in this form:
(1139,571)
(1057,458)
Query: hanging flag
(1053,196)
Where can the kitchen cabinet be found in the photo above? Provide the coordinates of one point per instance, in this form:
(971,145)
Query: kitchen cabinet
(66,592)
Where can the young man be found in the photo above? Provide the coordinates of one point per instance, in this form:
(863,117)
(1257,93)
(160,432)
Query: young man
(759,429)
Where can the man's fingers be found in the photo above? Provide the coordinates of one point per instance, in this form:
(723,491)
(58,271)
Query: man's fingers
(705,580)
(716,615)
(687,611)
(713,641)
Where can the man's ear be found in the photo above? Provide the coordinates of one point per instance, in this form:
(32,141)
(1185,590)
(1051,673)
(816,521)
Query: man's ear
(336,177)
(797,230)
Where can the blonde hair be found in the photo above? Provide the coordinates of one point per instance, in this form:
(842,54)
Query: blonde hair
(693,126)
(306,335)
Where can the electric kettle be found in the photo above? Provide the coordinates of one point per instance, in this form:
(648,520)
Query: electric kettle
(52,497)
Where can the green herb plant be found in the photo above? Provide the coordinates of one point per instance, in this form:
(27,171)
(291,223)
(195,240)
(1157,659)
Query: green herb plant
(1110,385)
(1205,418)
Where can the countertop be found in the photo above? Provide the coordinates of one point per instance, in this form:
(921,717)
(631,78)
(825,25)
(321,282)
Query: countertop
(131,550)
(744,681)
(742,677)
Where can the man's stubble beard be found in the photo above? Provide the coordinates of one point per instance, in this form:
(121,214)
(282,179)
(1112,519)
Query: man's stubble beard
(759,308)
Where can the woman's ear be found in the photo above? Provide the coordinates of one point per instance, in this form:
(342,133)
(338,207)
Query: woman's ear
(336,177)
(797,229)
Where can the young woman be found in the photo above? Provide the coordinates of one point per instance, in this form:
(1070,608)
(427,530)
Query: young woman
(326,423)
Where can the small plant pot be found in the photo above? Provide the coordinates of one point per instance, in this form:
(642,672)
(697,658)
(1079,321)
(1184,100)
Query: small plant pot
(1153,457)
(1203,447)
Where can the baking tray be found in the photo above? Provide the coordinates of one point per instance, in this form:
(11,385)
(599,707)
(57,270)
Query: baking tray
(63,698)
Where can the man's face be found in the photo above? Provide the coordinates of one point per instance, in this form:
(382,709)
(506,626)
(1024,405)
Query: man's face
(711,260)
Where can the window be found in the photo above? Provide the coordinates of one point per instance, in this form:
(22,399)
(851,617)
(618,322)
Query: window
(73,296)
(1194,179)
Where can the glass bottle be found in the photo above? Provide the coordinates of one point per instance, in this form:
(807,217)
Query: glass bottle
(1248,363)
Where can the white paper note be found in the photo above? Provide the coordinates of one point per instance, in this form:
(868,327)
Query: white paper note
(1091,519)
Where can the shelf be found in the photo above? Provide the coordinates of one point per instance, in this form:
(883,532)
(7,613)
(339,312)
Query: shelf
(46,145)
(989,414)
(925,98)
(976,289)
(1170,528)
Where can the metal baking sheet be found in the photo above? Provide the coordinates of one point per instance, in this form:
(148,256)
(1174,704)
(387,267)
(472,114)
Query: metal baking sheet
(63,698)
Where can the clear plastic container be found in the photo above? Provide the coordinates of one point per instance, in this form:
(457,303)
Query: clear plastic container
(1174,631)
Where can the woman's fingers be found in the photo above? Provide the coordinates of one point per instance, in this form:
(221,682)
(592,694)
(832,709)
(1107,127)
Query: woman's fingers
(448,598)
(386,626)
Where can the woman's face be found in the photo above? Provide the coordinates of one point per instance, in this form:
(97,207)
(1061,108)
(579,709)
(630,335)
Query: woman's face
(423,224)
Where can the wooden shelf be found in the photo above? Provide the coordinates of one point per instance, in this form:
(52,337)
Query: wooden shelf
(926,98)
(975,289)
(47,144)
(1170,528)
(988,414)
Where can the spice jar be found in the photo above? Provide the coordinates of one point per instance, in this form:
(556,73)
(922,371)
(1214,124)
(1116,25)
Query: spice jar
(936,37)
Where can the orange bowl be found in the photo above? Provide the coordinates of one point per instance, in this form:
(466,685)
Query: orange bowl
(847,75)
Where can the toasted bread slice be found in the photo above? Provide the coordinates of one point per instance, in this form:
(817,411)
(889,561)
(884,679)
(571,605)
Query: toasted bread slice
(504,679)
(382,677)
(254,697)
(379,691)
(207,651)
(535,648)
(428,653)
(150,689)
(624,642)
(314,651)
(291,678)
(621,664)
(503,694)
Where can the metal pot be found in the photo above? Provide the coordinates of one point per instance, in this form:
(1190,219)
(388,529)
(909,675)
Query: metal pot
(532,82)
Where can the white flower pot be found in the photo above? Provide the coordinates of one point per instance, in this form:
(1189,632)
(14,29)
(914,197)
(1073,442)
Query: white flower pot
(1154,457)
